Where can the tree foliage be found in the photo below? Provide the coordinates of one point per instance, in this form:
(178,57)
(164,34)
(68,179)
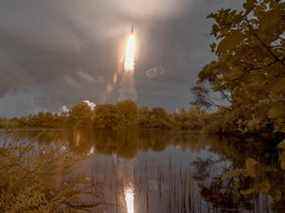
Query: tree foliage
(40,180)
(80,115)
(250,62)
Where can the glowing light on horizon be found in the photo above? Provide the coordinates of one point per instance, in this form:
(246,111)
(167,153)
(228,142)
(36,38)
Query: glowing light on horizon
(129,197)
(130,54)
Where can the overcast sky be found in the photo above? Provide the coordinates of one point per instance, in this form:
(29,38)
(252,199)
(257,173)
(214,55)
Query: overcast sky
(58,52)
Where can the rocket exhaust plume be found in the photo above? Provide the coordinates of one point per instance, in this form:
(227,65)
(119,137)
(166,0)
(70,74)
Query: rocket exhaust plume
(123,86)
(127,82)
(130,54)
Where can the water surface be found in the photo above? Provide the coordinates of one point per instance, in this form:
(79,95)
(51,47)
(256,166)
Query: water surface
(165,172)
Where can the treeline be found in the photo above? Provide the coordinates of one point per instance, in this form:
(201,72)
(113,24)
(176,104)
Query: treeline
(124,114)
(40,120)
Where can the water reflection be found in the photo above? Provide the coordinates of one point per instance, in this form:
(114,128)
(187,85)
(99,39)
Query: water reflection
(129,198)
(92,150)
(142,172)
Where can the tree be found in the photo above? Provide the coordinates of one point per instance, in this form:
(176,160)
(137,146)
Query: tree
(81,115)
(250,63)
(192,119)
(129,111)
(107,117)
(156,118)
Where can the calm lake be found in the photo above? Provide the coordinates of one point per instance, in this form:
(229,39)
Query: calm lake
(164,172)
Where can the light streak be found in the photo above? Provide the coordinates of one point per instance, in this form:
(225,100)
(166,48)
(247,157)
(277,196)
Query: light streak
(130,54)
(129,197)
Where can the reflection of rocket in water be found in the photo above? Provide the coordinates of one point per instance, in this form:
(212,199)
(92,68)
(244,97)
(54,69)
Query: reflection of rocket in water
(127,83)
(133,29)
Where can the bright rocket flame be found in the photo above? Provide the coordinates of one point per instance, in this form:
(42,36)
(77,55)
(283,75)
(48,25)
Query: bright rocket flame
(130,54)
(129,197)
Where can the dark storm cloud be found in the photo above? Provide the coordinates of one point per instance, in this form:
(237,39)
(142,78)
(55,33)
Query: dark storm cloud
(59,52)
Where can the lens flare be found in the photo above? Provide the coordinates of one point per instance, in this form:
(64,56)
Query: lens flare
(129,197)
(130,54)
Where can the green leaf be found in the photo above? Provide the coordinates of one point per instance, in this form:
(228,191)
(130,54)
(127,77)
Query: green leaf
(251,167)
(276,111)
(230,42)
